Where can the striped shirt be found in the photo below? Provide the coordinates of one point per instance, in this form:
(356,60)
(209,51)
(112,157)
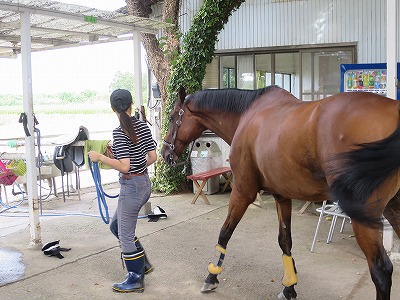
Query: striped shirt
(123,147)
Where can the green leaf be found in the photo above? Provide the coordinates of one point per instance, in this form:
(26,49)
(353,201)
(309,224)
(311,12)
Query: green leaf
(188,69)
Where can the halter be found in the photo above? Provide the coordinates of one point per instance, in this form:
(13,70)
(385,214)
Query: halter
(172,144)
(175,133)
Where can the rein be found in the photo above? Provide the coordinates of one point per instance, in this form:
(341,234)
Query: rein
(172,144)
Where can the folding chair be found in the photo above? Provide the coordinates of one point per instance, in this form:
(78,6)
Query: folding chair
(336,212)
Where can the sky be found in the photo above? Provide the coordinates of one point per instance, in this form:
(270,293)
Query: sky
(75,69)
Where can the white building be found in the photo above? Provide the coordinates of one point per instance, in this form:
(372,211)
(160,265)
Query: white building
(296,44)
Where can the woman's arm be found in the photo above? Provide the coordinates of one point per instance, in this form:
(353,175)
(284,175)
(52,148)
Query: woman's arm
(151,157)
(121,165)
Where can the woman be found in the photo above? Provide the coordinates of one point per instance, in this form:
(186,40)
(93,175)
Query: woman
(133,150)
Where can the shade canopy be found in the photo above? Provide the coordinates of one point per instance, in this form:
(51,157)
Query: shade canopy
(58,25)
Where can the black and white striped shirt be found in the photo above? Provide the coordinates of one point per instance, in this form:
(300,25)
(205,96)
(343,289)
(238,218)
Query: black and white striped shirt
(123,147)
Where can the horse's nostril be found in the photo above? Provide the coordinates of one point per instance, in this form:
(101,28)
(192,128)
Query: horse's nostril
(167,156)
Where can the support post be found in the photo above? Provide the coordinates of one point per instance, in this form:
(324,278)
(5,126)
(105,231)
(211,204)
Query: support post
(33,200)
(391,49)
(391,58)
(137,74)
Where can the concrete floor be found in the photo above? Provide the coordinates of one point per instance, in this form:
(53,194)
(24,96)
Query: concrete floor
(180,248)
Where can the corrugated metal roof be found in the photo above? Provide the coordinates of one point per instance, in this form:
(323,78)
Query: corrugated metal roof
(60,25)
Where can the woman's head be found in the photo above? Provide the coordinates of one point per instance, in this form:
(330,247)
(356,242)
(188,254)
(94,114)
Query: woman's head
(120,100)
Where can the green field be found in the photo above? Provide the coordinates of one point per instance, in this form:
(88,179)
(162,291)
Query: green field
(88,102)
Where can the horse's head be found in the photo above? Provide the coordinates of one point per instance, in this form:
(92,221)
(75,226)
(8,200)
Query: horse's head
(183,129)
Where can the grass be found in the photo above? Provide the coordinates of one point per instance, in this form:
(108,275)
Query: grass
(62,103)
(57,109)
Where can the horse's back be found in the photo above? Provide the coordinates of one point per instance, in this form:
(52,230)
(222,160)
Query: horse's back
(349,119)
(289,143)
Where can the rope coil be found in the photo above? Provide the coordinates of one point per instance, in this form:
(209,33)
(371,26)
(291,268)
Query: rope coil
(101,195)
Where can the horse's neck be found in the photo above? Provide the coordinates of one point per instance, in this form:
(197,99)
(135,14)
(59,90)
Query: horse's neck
(222,124)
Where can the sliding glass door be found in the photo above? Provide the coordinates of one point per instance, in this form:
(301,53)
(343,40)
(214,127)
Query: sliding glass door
(309,74)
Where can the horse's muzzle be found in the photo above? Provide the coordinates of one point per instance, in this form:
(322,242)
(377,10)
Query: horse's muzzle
(168,154)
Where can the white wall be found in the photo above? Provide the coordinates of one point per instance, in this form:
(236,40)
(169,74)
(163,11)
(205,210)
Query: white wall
(259,24)
(273,23)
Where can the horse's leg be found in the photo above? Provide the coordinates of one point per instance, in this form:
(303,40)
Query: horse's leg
(238,204)
(380,267)
(284,210)
(392,213)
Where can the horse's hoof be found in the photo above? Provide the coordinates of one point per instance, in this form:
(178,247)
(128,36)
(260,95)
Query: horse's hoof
(208,287)
(281,296)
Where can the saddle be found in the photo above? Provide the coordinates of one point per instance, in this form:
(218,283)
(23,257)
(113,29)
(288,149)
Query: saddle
(66,155)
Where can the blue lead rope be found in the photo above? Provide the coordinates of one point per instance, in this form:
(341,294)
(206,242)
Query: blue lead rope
(101,195)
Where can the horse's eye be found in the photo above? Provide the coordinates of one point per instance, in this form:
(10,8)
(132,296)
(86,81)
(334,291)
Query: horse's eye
(170,119)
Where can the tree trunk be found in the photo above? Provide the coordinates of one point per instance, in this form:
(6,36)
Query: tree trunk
(160,64)
(189,66)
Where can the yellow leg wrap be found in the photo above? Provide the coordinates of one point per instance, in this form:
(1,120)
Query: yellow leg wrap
(289,277)
(217,269)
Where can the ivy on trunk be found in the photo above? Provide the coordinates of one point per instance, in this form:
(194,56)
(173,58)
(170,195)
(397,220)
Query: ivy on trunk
(188,70)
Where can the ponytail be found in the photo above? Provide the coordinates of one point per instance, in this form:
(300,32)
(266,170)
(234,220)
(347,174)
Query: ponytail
(127,126)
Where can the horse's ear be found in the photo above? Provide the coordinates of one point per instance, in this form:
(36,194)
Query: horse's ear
(181,94)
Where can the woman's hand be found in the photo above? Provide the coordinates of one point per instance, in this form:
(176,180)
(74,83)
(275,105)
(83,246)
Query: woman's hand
(121,165)
(94,156)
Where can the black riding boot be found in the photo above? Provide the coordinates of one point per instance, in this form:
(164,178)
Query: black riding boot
(134,282)
(147,265)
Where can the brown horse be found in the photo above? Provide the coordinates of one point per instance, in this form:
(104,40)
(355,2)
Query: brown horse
(344,147)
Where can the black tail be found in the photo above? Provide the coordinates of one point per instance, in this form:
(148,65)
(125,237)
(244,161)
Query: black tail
(361,172)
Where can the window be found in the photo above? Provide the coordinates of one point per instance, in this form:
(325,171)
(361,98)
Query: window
(309,74)
(263,70)
(228,72)
(287,72)
(321,72)
(228,75)
(245,72)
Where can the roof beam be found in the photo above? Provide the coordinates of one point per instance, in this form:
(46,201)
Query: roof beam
(10,25)
(16,25)
(71,45)
(50,46)
(44,41)
(71,32)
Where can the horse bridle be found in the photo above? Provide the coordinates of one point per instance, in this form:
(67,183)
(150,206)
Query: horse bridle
(175,133)
(172,144)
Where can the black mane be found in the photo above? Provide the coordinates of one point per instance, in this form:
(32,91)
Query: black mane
(227,100)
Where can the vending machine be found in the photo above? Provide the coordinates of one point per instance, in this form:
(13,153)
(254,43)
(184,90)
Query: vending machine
(365,78)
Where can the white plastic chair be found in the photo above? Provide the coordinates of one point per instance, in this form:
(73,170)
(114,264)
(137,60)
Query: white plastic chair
(336,212)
